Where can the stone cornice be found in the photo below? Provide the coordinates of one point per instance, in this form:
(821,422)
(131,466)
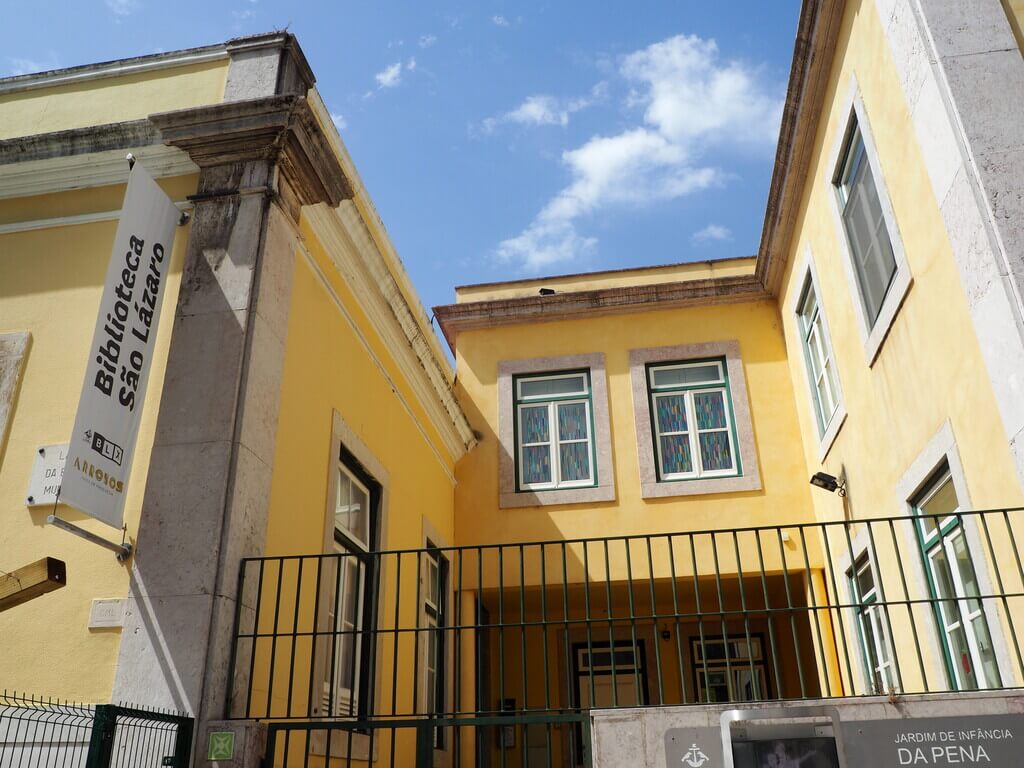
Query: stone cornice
(813,52)
(280,129)
(84,157)
(605,301)
(361,265)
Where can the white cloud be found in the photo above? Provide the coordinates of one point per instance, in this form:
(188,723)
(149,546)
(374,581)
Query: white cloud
(411,63)
(17,65)
(500,21)
(692,101)
(712,232)
(122,7)
(542,109)
(339,121)
(390,76)
(426,41)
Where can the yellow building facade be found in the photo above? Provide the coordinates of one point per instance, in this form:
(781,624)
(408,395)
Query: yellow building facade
(346,552)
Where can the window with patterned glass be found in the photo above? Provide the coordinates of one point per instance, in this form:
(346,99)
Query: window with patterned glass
(692,419)
(818,353)
(864,222)
(554,431)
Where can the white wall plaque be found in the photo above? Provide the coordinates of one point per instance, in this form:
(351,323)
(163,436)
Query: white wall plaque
(107,612)
(47,472)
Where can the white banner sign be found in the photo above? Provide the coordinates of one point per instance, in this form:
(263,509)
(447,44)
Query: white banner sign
(109,411)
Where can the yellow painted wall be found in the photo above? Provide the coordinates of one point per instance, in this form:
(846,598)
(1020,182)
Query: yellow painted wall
(328,368)
(111,99)
(50,284)
(785,496)
(930,367)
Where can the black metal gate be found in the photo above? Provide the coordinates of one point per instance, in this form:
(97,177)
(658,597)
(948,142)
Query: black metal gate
(534,740)
(47,732)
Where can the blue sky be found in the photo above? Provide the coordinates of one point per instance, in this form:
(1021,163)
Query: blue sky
(501,140)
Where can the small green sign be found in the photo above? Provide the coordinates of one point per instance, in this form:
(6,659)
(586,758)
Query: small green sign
(222,745)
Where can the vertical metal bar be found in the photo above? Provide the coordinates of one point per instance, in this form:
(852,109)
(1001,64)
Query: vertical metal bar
(481,705)
(255,640)
(522,630)
(814,611)
(885,607)
(654,621)
(570,682)
(1002,592)
(700,622)
(311,703)
(416,634)
(792,617)
(838,620)
(909,605)
(746,619)
(675,618)
(771,617)
(632,623)
(590,639)
(397,638)
(501,630)
(544,632)
(295,636)
(611,628)
(721,615)
(276,630)
(332,688)
(457,630)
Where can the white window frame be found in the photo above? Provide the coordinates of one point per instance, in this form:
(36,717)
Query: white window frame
(868,609)
(933,543)
(554,442)
(720,385)
(873,331)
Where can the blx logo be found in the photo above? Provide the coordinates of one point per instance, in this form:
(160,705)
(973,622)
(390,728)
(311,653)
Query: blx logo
(105,448)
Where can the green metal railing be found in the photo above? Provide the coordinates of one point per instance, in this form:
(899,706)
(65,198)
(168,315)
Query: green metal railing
(36,731)
(560,627)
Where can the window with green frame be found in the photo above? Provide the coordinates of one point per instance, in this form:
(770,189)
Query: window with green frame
(554,428)
(692,420)
(872,627)
(952,580)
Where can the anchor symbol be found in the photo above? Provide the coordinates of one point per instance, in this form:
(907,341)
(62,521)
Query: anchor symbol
(694,757)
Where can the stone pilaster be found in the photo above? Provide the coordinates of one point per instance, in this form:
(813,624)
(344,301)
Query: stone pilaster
(207,494)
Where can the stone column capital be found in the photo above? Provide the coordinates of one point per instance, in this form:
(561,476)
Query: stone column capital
(281,130)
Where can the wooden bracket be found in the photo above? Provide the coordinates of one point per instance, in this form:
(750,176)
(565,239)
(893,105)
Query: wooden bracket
(31,581)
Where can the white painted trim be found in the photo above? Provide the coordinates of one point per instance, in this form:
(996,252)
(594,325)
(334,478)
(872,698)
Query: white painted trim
(942,447)
(96,169)
(826,438)
(118,68)
(874,335)
(354,254)
(329,289)
(72,221)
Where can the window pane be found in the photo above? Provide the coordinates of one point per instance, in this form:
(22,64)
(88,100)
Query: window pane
(534,426)
(574,461)
(961,653)
(990,668)
(341,502)
(671,413)
(676,377)
(536,464)
(941,504)
(550,387)
(572,421)
(675,454)
(715,453)
(869,241)
(710,410)
(865,581)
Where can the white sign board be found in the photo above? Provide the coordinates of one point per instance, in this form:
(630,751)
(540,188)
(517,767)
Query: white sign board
(47,471)
(110,408)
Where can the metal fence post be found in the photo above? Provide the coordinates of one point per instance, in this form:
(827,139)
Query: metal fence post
(183,742)
(101,741)
(425,744)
